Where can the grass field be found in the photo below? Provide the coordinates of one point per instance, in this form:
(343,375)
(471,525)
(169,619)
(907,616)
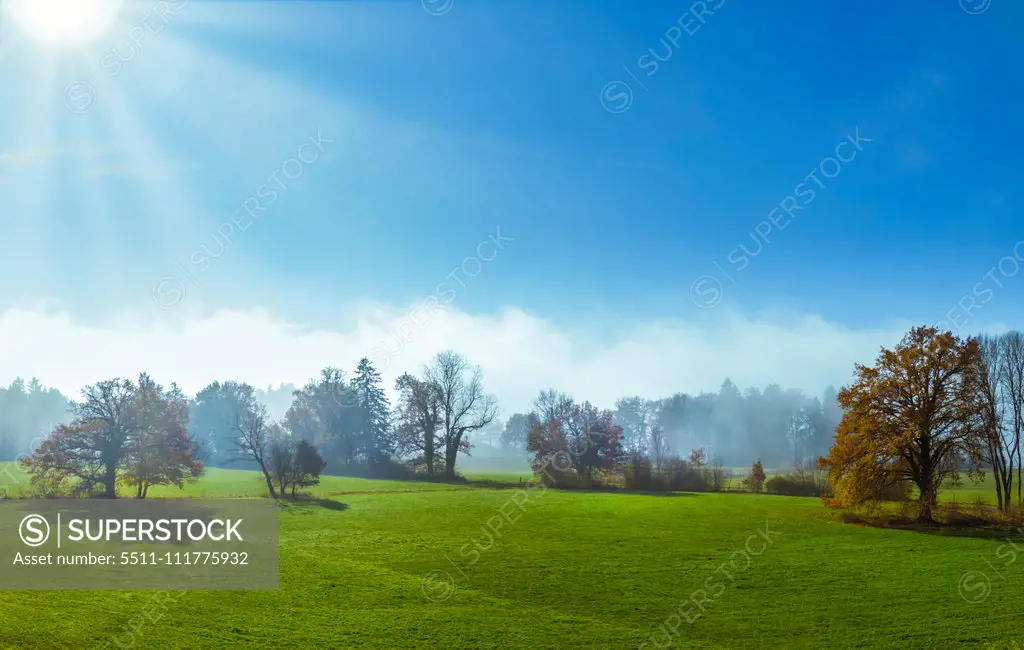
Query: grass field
(573,570)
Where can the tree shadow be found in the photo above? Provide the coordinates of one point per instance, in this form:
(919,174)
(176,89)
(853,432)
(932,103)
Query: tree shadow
(663,494)
(612,489)
(494,485)
(1001,533)
(308,503)
(971,527)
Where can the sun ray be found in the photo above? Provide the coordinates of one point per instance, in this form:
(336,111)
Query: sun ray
(265,101)
(154,171)
(117,165)
(29,153)
(100,241)
(64,22)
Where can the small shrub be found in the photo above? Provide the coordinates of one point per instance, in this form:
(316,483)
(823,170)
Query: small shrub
(639,474)
(679,475)
(965,515)
(674,475)
(908,510)
(565,479)
(793,486)
(805,480)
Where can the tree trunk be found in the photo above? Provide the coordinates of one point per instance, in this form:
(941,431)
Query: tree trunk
(924,511)
(1008,483)
(428,450)
(145,491)
(1016,452)
(110,482)
(270,483)
(926,501)
(450,457)
(999,486)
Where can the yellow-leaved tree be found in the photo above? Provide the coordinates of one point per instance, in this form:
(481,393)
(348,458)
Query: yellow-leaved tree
(916,415)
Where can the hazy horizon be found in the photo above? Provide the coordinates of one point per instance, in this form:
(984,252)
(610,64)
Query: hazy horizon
(520,353)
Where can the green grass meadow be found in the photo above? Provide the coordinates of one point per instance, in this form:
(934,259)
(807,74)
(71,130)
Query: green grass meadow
(383,564)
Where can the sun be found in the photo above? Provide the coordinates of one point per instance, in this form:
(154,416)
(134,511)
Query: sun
(57,22)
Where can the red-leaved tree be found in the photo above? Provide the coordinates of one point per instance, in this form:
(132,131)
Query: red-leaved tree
(123,432)
(160,451)
(585,435)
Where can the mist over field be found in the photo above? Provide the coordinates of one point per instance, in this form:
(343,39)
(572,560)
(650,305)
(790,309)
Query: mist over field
(681,369)
(518,351)
(779,425)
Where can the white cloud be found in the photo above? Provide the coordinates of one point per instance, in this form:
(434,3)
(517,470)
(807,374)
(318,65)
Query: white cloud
(519,353)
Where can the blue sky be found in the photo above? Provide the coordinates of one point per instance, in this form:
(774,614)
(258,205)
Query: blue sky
(436,130)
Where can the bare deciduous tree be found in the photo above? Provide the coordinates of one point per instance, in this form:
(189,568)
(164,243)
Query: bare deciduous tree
(551,404)
(719,476)
(1012,379)
(464,405)
(659,446)
(991,389)
(253,427)
(636,416)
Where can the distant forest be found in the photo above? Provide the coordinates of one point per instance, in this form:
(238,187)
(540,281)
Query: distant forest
(781,427)
(777,425)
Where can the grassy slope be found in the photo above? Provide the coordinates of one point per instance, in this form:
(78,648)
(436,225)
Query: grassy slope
(241,483)
(575,570)
(229,483)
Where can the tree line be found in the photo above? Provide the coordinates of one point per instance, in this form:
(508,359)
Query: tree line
(355,430)
(28,412)
(781,427)
(136,434)
(928,411)
(353,423)
(576,444)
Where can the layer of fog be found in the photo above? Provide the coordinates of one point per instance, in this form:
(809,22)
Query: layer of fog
(519,353)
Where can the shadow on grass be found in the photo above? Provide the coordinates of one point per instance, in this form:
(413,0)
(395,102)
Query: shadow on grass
(462,481)
(524,485)
(961,525)
(495,485)
(308,503)
(611,489)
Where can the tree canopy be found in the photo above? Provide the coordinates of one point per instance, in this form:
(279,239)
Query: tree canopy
(915,415)
(132,432)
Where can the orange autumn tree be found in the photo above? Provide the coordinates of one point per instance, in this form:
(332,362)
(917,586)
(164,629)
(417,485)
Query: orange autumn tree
(913,416)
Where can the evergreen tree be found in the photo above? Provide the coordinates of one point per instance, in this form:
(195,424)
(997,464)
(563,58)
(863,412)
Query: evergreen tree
(374,430)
